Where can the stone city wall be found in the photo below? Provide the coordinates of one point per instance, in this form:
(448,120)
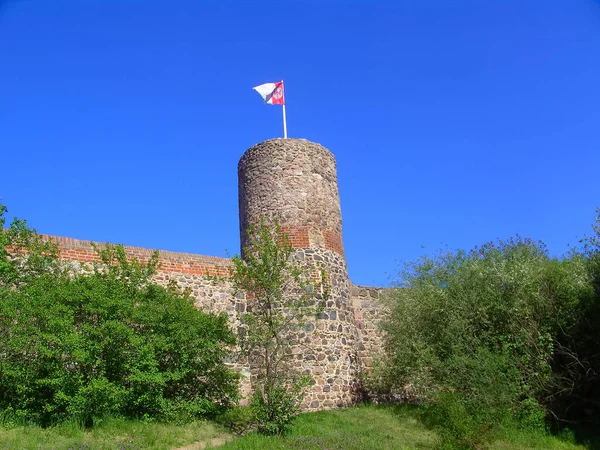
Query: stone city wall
(342,345)
(294,182)
(368,305)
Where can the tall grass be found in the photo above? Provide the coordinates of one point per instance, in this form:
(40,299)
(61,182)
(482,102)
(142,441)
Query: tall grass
(111,434)
(385,428)
(360,428)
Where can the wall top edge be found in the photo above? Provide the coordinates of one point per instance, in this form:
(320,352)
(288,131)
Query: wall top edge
(290,143)
(72,243)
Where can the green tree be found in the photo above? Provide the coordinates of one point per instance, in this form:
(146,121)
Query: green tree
(575,397)
(475,333)
(282,296)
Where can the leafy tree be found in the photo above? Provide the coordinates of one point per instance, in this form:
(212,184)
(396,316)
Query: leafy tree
(110,342)
(575,397)
(282,296)
(475,333)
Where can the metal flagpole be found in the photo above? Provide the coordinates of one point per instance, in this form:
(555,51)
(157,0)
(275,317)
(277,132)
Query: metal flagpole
(284,123)
(284,120)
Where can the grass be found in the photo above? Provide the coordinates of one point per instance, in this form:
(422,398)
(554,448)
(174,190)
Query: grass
(110,435)
(365,427)
(513,439)
(381,428)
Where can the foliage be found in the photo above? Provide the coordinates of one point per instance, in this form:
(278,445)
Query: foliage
(238,419)
(475,332)
(457,426)
(107,343)
(276,405)
(530,415)
(15,241)
(576,393)
(281,297)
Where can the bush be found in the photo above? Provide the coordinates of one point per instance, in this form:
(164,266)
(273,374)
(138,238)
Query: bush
(475,333)
(575,395)
(109,343)
(531,415)
(458,427)
(275,408)
(238,419)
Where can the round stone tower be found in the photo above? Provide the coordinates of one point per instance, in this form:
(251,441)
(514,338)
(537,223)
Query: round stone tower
(295,181)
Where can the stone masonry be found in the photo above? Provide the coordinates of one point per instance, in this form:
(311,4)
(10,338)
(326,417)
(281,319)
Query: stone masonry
(295,181)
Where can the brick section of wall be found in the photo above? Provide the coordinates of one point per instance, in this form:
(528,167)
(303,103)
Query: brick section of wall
(170,262)
(298,236)
(333,242)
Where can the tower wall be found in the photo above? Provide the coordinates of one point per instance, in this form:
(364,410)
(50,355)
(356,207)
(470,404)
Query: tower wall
(295,181)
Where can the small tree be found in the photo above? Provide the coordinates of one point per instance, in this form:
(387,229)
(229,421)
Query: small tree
(281,296)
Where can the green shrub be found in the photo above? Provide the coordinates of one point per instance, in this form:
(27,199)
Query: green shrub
(476,394)
(531,415)
(239,419)
(483,326)
(458,427)
(109,343)
(575,396)
(276,408)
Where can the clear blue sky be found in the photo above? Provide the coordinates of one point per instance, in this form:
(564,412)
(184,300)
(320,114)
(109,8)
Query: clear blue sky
(453,122)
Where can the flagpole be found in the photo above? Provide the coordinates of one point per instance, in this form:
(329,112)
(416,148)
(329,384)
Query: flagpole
(284,123)
(284,119)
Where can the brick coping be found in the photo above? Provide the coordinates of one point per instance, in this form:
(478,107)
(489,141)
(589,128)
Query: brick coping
(67,243)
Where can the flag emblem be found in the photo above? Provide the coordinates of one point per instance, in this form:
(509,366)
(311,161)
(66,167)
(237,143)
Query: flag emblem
(272,93)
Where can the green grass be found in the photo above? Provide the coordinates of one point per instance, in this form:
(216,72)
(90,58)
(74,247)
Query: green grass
(348,429)
(513,439)
(360,428)
(380,428)
(110,435)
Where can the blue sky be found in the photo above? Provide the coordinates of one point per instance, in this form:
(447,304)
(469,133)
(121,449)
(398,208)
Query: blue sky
(453,122)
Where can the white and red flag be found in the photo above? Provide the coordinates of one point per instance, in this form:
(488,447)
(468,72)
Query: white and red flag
(272,93)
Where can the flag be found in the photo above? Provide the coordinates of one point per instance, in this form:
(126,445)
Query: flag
(272,93)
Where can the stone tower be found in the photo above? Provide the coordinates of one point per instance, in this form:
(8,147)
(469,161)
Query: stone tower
(295,181)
